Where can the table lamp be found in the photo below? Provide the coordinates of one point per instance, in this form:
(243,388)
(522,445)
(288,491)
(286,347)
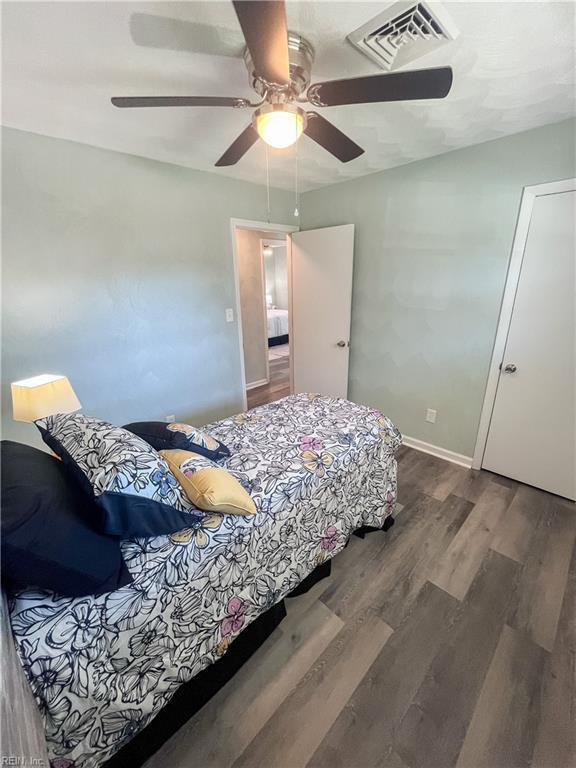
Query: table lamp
(41,396)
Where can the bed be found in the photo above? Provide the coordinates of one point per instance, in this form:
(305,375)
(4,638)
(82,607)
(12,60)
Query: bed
(277,320)
(101,668)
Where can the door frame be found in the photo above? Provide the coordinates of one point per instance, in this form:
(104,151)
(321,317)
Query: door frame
(529,196)
(264,226)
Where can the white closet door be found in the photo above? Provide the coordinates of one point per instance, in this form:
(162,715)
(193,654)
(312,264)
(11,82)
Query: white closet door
(321,283)
(532,430)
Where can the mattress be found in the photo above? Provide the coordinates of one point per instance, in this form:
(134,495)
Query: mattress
(101,667)
(277,322)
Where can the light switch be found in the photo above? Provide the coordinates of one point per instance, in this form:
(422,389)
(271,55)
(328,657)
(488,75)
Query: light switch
(229,315)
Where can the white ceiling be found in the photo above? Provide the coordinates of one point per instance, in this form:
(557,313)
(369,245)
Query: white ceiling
(514,67)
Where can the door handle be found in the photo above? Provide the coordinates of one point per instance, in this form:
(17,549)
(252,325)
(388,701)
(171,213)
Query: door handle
(510,368)
(341,343)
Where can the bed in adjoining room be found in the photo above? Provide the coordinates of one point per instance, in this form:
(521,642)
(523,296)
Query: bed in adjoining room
(102,667)
(277,323)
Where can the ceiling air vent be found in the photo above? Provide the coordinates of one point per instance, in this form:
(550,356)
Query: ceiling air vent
(403,33)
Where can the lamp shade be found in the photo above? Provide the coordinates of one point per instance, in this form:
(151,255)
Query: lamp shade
(42,396)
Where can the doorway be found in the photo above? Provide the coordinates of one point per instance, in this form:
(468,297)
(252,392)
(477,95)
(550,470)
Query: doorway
(293,310)
(274,251)
(261,253)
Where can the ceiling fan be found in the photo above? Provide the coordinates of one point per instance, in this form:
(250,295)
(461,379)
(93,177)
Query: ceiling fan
(279,63)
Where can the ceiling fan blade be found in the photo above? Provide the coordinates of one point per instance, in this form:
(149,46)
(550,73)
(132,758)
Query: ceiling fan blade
(179,101)
(395,86)
(331,138)
(239,147)
(171,34)
(264,27)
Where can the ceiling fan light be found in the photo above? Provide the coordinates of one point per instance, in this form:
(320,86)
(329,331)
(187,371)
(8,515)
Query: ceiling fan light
(280,125)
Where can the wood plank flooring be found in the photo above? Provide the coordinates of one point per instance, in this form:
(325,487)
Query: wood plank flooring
(22,740)
(447,642)
(277,387)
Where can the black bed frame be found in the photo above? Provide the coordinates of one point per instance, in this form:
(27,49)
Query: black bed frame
(275,341)
(192,696)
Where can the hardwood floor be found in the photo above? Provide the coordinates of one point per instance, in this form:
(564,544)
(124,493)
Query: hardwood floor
(448,641)
(278,386)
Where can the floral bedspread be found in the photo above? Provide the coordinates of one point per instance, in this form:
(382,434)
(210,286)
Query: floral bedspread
(102,667)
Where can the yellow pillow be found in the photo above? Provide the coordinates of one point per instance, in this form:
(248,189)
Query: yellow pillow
(207,485)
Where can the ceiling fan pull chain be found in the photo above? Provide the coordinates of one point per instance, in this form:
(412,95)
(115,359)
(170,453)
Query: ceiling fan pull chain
(296,211)
(267,184)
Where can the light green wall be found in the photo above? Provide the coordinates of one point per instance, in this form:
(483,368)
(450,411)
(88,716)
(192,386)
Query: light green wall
(117,272)
(432,245)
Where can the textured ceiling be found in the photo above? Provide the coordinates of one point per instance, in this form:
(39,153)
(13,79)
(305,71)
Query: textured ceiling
(514,66)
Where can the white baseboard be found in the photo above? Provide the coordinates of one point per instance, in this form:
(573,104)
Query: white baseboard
(254,384)
(436,450)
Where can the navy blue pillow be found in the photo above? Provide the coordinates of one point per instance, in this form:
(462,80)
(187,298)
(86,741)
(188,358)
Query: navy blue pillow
(165,437)
(47,536)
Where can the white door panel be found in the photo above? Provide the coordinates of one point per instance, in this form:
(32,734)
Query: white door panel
(532,429)
(321,289)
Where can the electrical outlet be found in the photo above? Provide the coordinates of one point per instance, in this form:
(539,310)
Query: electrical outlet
(431,415)
(229,315)
(170,418)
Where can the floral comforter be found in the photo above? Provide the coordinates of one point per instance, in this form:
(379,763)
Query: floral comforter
(102,667)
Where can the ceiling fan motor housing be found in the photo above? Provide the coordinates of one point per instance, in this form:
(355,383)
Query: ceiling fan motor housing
(301,57)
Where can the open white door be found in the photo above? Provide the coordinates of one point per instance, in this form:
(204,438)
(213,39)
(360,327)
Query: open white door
(321,293)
